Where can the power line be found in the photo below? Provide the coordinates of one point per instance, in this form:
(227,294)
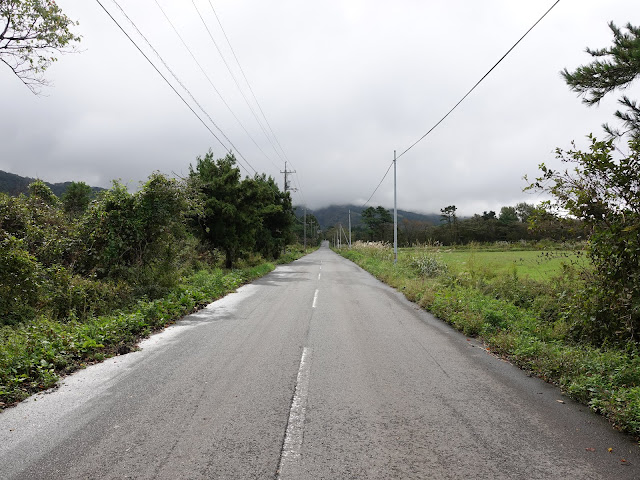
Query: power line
(161,74)
(275,137)
(479,81)
(247,81)
(175,77)
(374,192)
(212,84)
(182,85)
(462,99)
(234,78)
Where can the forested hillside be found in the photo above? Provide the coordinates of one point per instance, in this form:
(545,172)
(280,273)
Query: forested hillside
(14,185)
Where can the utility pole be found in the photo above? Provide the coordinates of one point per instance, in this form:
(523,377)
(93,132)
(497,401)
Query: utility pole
(305,228)
(349,228)
(286,181)
(395,212)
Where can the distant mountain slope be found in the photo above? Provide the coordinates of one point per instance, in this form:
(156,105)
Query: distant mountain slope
(335,214)
(13,184)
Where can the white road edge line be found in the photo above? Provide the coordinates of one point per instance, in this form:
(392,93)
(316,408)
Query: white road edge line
(315,299)
(295,425)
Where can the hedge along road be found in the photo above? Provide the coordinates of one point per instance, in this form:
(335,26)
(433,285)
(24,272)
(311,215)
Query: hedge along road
(315,371)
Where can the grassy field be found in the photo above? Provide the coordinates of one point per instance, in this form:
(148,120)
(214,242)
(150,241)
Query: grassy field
(536,265)
(515,301)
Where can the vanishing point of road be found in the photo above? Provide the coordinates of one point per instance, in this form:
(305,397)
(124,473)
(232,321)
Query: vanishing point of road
(315,371)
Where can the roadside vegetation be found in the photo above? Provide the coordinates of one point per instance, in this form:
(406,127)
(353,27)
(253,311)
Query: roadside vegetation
(573,317)
(527,311)
(84,277)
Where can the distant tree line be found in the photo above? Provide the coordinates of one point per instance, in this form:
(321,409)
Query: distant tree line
(514,223)
(87,253)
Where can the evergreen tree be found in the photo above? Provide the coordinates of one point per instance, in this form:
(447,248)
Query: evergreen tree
(272,213)
(615,68)
(220,224)
(76,198)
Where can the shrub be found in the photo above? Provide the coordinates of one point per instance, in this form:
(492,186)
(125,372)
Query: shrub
(428,265)
(20,278)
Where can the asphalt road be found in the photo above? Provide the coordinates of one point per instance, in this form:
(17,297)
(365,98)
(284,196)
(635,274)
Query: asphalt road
(316,371)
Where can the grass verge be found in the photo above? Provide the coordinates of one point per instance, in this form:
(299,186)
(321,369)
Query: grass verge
(34,356)
(519,319)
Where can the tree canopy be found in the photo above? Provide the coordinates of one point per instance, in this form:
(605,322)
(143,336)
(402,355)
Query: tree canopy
(237,215)
(32,33)
(376,221)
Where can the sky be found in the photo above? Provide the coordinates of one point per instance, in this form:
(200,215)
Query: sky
(342,84)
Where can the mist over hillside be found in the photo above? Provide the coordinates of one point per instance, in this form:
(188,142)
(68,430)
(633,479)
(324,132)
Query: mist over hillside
(14,185)
(339,214)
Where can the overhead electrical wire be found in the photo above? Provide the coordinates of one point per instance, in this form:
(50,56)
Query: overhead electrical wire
(212,84)
(479,81)
(183,86)
(161,74)
(246,80)
(175,77)
(374,192)
(234,77)
(463,98)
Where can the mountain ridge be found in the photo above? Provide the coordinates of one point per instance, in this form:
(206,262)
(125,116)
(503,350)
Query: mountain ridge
(13,184)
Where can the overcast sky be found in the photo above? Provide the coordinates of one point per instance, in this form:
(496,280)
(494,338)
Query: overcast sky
(342,83)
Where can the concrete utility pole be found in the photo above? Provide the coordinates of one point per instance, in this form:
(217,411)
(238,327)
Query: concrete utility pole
(286,181)
(305,228)
(395,212)
(349,228)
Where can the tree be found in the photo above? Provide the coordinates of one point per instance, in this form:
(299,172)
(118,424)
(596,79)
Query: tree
(135,237)
(620,65)
(226,221)
(603,190)
(508,215)
(39,191)
(448,215)
(32,32)
(76,198)
(272,212)
(375,220)
(524,210)
(604,193)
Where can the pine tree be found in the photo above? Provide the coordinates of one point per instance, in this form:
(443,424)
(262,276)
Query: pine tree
(615,67)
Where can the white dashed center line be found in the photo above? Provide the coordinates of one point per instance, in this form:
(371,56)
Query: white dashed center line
(295,426)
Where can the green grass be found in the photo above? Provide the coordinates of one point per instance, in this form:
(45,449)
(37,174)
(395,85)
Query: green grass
(513,301)
(534,264)
(34,356)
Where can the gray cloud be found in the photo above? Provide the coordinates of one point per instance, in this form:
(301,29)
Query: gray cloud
(343,84)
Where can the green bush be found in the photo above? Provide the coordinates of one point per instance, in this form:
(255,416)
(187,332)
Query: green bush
(20,282)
